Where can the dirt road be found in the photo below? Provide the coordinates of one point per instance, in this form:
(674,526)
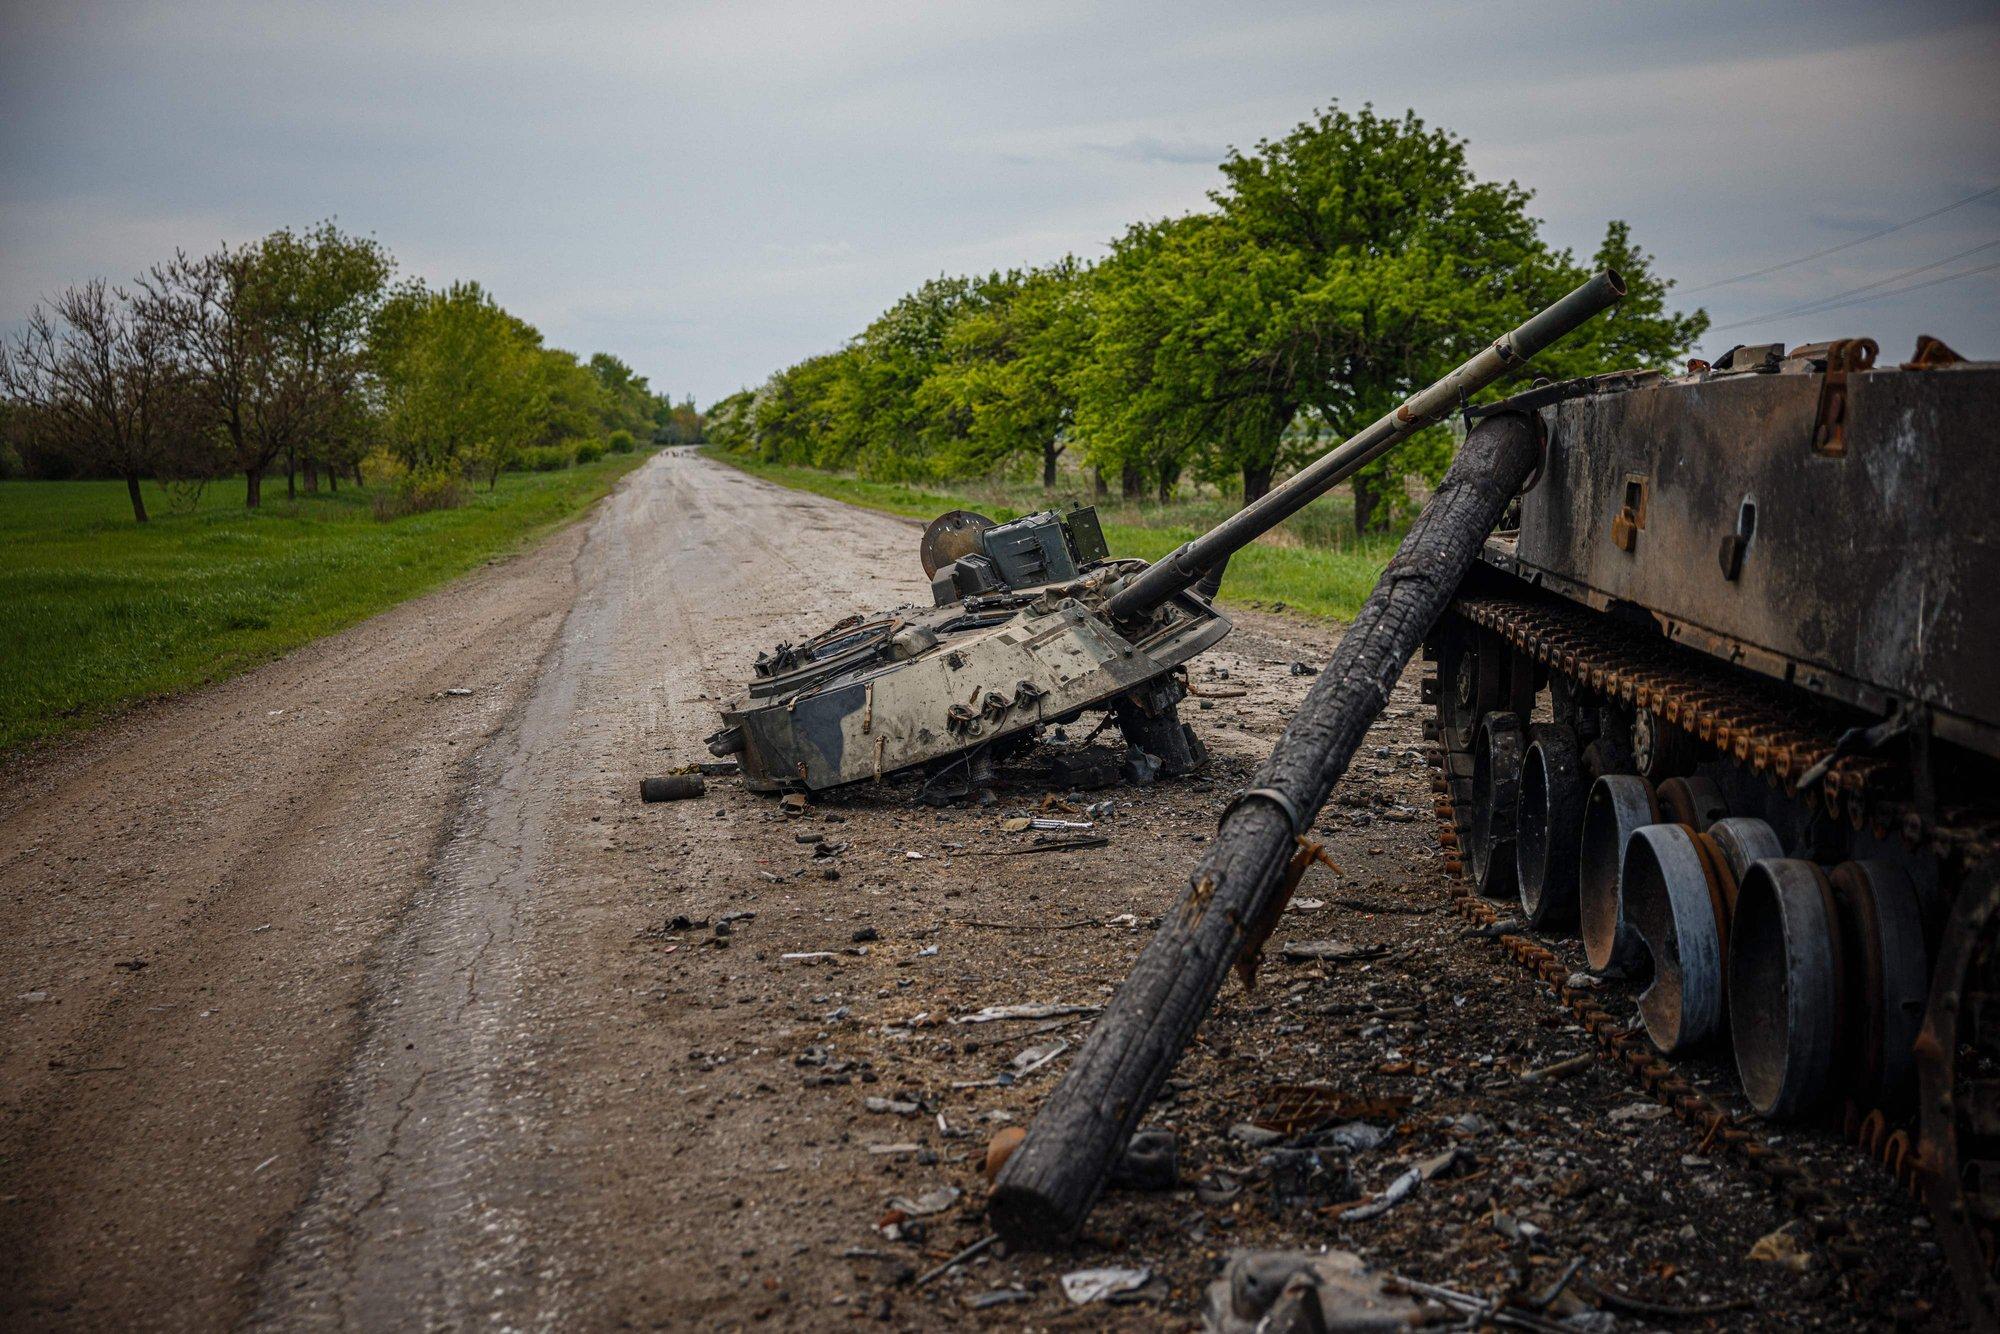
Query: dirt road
(336,999)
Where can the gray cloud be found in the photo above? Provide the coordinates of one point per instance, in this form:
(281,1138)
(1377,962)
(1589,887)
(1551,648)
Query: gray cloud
(713,190)
(1152,148)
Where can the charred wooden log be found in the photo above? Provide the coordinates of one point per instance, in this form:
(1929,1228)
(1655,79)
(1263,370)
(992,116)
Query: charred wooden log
(1053,1179)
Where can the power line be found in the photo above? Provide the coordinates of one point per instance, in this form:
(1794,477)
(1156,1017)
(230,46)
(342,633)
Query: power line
(1844,245)
(1811,307)
(1894,291)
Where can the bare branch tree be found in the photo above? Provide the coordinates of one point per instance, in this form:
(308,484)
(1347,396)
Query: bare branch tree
(99,384)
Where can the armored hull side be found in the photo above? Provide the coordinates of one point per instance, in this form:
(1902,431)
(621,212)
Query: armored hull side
(1866,575)
(1756,606)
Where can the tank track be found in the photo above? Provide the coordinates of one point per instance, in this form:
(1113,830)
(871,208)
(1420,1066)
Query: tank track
(1949,1156)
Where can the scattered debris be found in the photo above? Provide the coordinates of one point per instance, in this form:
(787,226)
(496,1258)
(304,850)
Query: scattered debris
(994,1013)
(1026,1062)
(1151,1161)
(1085,770)
(970,1252)
(453,692)
(1560,1070)
(1328,951)
(930,1202)
(1638,1111)
(1255,1136)
(672,787)
(1400,1188)
(1781,1248)
(1291,1108)
(1299,1290)
(1085,1286)
(1066,845)
(1141,767)
(1001,1147)
(1304,1178)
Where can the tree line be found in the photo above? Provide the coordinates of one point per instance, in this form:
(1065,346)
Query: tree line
(300,352)
(1338,268)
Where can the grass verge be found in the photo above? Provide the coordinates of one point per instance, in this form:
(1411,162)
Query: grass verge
(102,612)
(1327,582)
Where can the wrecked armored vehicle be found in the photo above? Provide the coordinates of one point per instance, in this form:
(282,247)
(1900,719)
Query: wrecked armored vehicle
(1724,698)
(1035,623)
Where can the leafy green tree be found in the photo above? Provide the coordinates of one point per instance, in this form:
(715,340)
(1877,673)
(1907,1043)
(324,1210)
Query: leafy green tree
(576,403)
(678,423)
(629,402)
(311,297)
(1004,386)
(1384,262)
(792,417)
(1157,389)
(1346,264)
(275,338)
(729,421)
(463,385)
(862,402)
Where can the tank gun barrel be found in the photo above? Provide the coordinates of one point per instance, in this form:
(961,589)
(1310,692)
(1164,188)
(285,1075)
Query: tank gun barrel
(1181,568)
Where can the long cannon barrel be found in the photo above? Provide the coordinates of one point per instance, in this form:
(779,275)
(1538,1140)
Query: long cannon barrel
(1182,567)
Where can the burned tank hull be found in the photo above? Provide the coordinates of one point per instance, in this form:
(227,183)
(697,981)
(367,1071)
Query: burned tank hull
(1723,698)
(919,686)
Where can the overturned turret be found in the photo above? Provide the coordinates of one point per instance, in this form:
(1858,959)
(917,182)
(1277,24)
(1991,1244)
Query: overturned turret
(1036,623)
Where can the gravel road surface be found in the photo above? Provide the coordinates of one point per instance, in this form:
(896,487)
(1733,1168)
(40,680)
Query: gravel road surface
(337,997)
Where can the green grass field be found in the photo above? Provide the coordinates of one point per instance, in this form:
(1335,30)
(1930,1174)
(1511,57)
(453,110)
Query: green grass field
(101,612)
(1312,565)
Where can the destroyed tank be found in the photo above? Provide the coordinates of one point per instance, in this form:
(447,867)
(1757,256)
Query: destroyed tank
(1036,623)
(1723,697)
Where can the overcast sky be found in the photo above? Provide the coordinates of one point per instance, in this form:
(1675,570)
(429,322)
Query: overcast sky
(712,191)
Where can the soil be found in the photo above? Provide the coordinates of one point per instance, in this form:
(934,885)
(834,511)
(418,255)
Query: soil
(336,998)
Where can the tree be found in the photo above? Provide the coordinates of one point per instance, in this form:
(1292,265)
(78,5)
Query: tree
(1137,407)
(463,385)
(859,407)
(1637,333)
(311,296)
(1007,370)
(629,403)
(729,421)
(202,307)
(100,385)
(1384,263)
(791,416)
(678,423)
(576,403)
(274,334)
